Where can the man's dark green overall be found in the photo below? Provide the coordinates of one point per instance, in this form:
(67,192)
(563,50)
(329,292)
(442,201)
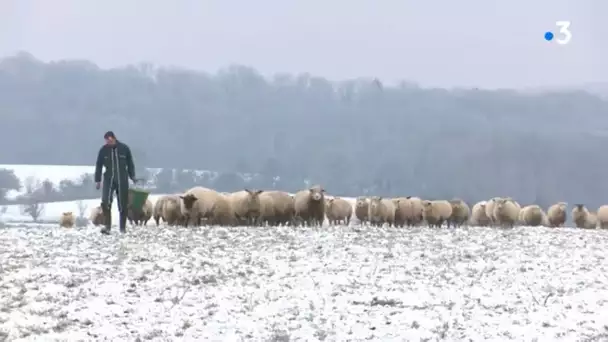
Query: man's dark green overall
(118,162)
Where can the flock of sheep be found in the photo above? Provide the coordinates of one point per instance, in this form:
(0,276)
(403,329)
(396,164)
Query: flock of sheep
(311,207)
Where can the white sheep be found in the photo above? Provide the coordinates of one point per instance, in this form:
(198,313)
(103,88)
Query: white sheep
(557,214)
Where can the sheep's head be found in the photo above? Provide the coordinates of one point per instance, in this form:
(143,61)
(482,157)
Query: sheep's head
(396,201)
(253,200)
(67,214)
(427,207)
(375,202)
(188,200)
(317,193)
(579,206)
(501,203)
(361,202)
(254,193)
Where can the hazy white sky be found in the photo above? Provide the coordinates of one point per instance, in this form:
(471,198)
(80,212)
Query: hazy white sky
(481,43)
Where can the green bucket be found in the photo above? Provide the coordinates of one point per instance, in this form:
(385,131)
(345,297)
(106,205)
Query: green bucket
(137,198)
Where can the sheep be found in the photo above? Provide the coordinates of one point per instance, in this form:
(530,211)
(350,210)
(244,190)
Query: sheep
(592,220)
(490,210)
(445,209)
(602,217)
(545,220)
(531,215)
(246,206)
(97,217)
(171,212)
(478,215)
(414,210)
(436,212)
(557,214)
(580,215)
(338,211)
(520,217)
(460,212)
(506,212)
(67,220)
(517,205)
(310,206)
(141,216)
(221,212)
(201,203)
(167,208)
(408,211)
(282,210)
(362,209)
(381,211)
(583,218)
(157,212)
(268,214)
(400,211)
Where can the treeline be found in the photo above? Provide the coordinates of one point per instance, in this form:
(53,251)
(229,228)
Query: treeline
(354,137)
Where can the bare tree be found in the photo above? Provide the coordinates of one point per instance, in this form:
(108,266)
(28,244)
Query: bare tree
(81,220)
(33,204)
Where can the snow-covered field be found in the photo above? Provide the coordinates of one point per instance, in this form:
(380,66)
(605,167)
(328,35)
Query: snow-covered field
(286,284)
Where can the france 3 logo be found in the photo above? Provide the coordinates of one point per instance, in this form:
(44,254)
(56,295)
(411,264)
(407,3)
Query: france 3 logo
(563,35)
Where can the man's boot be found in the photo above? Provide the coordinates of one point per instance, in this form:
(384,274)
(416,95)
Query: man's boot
(107,215)
(123,222)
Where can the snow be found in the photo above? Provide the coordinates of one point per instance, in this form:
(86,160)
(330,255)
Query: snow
(284,284)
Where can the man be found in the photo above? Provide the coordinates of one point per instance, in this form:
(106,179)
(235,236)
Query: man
(116,157)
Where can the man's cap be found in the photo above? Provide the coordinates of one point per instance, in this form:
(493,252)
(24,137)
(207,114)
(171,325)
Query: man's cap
(109,134)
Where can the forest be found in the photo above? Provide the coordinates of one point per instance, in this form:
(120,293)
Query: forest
(355,137)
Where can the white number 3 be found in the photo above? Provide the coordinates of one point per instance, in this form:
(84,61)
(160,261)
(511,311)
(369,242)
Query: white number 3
(564,27)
